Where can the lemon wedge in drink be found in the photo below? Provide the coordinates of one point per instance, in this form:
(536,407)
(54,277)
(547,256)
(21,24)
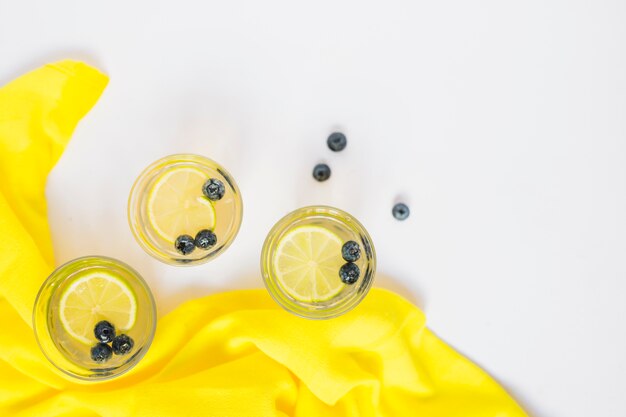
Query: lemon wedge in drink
(307,262)
(93,297)
(176,205)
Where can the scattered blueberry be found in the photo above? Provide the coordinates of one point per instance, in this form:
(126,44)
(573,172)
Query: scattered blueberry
(104,331)
(349,273)
(401,211)
(351,251)
(184,244)
(213,189)
(101,352)
(337,141)
(205,239)
(122,344)
(321,172)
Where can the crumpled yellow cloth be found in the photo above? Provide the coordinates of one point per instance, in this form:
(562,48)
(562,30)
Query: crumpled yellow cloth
(230,354)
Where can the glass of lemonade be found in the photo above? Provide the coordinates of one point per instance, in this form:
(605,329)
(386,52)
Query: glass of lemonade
(185,209)
(318,262)
(94,318)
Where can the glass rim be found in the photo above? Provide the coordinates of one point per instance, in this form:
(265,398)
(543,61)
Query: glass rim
(132,208)
(269,246)
(94,378)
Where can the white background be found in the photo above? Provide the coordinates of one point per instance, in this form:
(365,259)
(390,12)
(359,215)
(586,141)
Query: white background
(502,124)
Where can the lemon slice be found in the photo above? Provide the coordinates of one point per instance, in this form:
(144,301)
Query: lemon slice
(306,263)
(176,205)
(94,297)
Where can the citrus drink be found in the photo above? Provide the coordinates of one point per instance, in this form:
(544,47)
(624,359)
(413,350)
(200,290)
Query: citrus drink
(94,318)
(318,262)
(185,209)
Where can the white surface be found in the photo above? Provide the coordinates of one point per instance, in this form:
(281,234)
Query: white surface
(502,124)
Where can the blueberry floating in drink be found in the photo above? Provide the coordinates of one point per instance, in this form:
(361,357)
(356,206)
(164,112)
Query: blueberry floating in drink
(101,352)
(184,244)
(104,331)
(213,189)
(122,344)
(349,273)
(351,251)
(205,239)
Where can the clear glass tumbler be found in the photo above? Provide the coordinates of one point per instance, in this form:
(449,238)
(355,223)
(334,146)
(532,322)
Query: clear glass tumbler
(306,268)
(75,298)
(176,198)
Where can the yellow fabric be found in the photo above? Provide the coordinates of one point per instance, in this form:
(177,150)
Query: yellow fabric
(230,354)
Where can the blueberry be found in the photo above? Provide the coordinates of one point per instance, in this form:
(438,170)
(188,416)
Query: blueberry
(351,251)
(400,211)
(205,239)
(184,244)
(349,273)
(321,172)
(101,352)
(213,189)
(337,141)
(122,344)
(104,331)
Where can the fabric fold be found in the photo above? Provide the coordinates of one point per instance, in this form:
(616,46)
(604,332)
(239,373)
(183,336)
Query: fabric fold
(38,113)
